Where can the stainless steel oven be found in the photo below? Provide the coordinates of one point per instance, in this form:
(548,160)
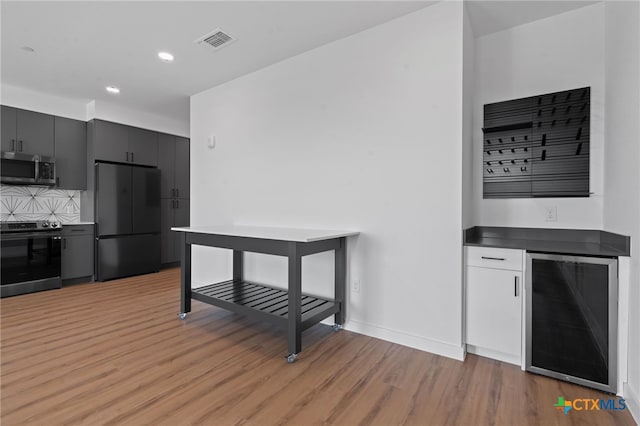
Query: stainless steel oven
(27,169)
(31,257)
(572,318)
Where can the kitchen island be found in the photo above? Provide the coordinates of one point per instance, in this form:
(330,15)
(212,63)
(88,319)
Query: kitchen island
(289,309)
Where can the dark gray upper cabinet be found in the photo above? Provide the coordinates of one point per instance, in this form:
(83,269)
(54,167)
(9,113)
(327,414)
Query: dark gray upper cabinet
(111,141)
(9,135)
(28,132)
(173,161)
(182,167)
(34,133)
(143,146)
(125,144)
(70,144)
(167,164)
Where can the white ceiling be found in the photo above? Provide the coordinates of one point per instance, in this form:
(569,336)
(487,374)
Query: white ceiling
(489,17)
(81,47)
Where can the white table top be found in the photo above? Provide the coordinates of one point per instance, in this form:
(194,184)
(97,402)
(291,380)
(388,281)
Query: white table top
(268,233)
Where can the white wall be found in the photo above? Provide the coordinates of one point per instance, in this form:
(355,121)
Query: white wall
(363,134)
(112,111)
(562,52)
(622,153)
(20,97)
(468,59)
(82,109)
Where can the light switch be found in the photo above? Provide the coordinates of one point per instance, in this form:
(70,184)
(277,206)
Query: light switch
(211,141)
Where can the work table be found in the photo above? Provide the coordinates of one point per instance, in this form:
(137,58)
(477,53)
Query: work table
(268,233)
(566,241)
(287,308)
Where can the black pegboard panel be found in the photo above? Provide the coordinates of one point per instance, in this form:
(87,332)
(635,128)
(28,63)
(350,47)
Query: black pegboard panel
(537,146)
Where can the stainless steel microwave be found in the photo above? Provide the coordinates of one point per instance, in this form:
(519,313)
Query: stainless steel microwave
(26,169)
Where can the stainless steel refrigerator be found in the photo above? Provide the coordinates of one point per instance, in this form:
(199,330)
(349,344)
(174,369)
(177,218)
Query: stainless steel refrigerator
(127,220)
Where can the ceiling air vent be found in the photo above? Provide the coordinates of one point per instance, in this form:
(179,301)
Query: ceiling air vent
(216,39)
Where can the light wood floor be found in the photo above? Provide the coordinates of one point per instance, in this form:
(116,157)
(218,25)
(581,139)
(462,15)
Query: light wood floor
(115,353)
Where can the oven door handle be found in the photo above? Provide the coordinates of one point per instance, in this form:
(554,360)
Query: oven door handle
(22,236)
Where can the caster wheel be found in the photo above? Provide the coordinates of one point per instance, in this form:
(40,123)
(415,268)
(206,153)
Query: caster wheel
(291,358)
(182,315)
(337,327)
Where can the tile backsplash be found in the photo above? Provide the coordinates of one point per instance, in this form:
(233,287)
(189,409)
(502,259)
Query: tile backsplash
(20,203)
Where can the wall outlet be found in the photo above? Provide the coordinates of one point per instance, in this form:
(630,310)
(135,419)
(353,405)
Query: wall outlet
(355,286)
(551,214)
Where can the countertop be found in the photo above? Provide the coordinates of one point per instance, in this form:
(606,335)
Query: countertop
(268,233)
(77,223)
(566,241)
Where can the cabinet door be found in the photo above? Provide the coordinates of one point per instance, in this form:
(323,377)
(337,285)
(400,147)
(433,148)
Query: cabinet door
(182,167)
(181,219)
(143,146)
(71,153)
(167,238)
(167,164)
(77,256)
(182,213)
(494,309)
(8,124)
(34,132)
(111,141)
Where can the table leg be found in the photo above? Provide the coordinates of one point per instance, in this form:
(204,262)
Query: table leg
(238,265)
(185,276)
(294,329)
(340,266)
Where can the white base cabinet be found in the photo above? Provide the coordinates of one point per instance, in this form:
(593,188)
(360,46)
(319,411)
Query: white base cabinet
(493,315)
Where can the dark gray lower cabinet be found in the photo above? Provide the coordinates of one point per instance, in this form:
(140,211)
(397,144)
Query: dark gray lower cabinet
(175,212)
(77,251)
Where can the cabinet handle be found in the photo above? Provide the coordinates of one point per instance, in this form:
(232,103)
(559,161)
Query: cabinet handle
(515,286)
(177,192)
(173,192)
(177,204)
(13,145)
(173,203)
(64,244)
(57,181)
(492,258)
(132,160)
(127,156)
(20,146)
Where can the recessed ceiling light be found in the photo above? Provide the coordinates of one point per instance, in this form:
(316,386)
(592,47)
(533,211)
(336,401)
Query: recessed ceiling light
(28,49)
(112,89)
(165,56)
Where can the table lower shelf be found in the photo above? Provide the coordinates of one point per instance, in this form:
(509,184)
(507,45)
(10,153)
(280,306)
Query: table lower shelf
(264,302)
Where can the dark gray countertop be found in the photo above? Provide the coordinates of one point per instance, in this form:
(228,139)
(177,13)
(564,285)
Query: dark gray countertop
(567,241)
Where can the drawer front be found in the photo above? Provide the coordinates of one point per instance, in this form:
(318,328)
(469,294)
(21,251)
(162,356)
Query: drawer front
(69,230)
(497,258)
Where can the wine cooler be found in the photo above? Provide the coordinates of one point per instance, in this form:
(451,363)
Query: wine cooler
(572,317)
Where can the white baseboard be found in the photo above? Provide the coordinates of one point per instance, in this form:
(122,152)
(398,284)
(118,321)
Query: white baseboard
(417,342)
(488,353)
(633,402)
